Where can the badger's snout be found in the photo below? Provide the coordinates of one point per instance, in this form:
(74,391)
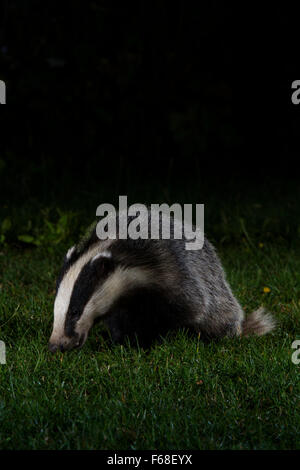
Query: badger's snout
(53,347)
(66,344)
(62,347)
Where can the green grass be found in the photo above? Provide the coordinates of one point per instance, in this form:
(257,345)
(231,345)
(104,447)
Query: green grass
(182,394)
(237,394)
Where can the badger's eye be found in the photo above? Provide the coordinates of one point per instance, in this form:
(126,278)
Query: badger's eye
(74,312)
(102,265)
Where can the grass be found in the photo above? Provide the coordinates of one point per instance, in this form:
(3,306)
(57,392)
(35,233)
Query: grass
(182,394)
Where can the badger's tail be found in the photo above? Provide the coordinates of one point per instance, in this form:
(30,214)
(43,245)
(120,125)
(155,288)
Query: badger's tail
(258,323)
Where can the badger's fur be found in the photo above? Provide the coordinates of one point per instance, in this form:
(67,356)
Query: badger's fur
(143,289)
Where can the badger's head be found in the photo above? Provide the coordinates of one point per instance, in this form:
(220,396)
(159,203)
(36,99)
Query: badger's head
(82,280)
(88,286)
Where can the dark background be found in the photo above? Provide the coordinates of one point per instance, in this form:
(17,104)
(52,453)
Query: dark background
(179,97)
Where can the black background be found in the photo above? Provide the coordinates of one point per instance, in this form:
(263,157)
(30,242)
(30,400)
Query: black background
(147,93)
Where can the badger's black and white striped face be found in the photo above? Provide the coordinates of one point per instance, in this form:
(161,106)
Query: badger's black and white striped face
(87,288)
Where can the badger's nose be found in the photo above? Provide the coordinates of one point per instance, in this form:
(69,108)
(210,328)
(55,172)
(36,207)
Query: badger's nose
(53,347)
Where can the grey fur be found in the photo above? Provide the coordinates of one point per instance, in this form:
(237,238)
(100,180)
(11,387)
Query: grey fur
(168,287)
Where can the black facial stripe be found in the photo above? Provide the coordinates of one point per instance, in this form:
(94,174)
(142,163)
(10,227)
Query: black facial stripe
(76,253)
(91,276)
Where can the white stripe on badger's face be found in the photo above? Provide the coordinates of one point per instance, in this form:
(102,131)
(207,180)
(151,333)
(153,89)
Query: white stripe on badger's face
(121,281)
(65,289)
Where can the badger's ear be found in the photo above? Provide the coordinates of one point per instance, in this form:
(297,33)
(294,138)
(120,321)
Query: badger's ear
(103,263)
(70,252)
(67,257)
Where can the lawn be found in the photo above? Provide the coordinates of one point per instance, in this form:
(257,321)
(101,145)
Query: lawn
(182,394)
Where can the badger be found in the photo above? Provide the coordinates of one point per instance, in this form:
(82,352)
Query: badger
(144,288)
